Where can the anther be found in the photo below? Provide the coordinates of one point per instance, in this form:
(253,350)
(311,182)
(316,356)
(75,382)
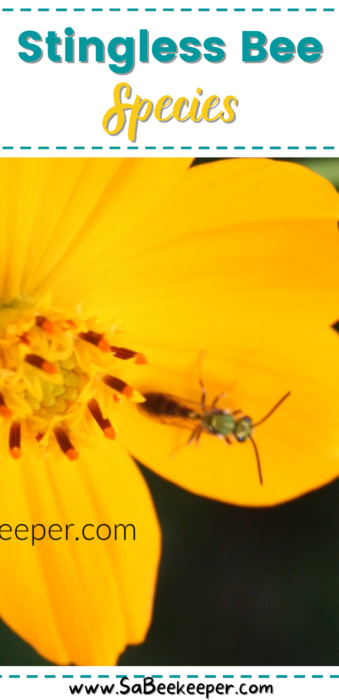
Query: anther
(5,412)
(65,444)
(125,354)
(45,324)
(15,440)
(40,363)
(103,423)
(118,385)
(96,339)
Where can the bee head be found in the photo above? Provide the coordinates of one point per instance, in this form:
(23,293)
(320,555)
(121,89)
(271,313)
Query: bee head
(243,429)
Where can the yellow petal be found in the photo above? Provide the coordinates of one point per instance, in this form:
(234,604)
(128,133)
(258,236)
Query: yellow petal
(98,207)
(78,601)
(267,224)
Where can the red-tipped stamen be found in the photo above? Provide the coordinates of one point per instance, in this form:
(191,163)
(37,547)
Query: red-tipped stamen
(118,385)
(45,324)
(103,423)
(39,437)
(24,339)
(65,444)
(96,339)
(126,354)
(5,412)
(15,440)
(40,363)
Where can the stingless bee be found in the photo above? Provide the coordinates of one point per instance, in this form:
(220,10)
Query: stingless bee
(200,418)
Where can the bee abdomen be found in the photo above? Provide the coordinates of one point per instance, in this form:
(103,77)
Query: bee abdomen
(158,404)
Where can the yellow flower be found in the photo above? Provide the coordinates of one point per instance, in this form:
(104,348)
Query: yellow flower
(236,258)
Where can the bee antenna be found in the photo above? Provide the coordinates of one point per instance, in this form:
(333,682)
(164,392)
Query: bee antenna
(272,410)
(258,460)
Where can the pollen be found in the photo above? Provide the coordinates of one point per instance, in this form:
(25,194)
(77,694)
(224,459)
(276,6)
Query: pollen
(59,380)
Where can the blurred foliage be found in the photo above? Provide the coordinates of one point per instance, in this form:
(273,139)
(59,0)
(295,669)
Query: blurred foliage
(238,585)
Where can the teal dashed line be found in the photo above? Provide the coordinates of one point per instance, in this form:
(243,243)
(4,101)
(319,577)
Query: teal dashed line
(116,148)
(67,676)
(192,676)
(174,676)
(186,148)
(311,148)
(263,676)
(239,9)
(221,9)
(239,148)
(31,676)
(96,9)
(317,676)
(257,148)
(299,676)
(291,148)
(49,676)
(168,148)
(328,148)
(43,148)
(43,9)
(124,676)
(79,148)
(205,148)
(79,9)
(8,9)
(221,148)
(25,148)
(281,676)
(13,676)
(132,148)
(61,148)
(228,676)
(311,9)
(8,148)
(275,148)
(275,9)
(186,9)
(334,676)
(132,9)
(151,148)
(85,676)
(25,9)
(96,148)
(245,676)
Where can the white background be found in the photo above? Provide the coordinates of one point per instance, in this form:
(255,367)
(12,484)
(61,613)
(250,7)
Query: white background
(301,683)
(62,105)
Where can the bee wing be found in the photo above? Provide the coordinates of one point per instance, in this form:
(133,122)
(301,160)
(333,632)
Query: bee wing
(172,410)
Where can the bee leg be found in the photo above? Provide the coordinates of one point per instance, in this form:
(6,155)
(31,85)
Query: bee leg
(217,398)
(202,386)
(228,440)
(237,411)
(192,437)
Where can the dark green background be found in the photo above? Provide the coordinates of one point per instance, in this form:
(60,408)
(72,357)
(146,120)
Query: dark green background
(238,585)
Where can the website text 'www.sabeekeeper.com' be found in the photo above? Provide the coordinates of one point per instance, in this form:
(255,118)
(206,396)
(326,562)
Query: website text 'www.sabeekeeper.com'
(148,686)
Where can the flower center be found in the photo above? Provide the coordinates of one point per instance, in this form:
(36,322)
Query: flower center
(58,379)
